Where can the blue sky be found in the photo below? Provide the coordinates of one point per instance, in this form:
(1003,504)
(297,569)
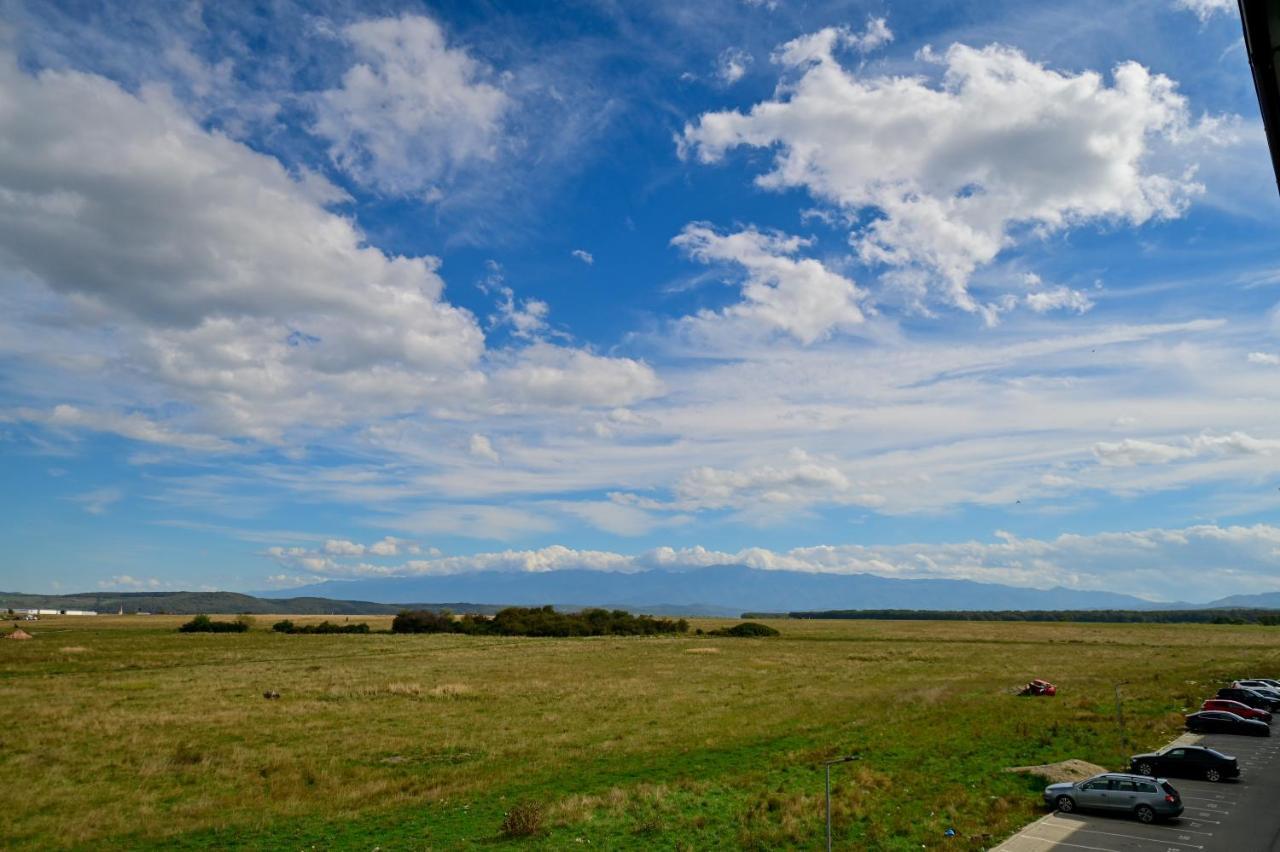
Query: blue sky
(298,292)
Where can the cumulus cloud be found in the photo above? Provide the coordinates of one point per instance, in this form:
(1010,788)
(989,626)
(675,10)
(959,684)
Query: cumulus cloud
(200,272)
(1132,451)
(546,374)
(796,295)
(1002,148)
(130,583)
(799,481)
(414,110)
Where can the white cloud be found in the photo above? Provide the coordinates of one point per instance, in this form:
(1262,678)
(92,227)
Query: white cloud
(480,447)
(801,480)
(799,296)
(823,44)
(191,274)
(1132,451)
(1058,299)
(545,374)
(414,110)
(1206,9)
(732,64)
(1003,148)
(137,426)
(1269,359)
(584,256)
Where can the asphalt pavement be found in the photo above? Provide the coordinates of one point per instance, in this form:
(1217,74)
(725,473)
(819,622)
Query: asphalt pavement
(1229,816)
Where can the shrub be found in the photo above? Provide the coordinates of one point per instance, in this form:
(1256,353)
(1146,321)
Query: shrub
(748,629)
(326,626)
(425,621)
(523,820)
(205,624)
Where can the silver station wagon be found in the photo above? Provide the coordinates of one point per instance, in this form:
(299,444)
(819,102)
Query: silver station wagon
(1146,799)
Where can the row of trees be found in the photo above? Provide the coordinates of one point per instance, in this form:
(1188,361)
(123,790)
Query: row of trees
(287,626)
(1138,616)
(538,621)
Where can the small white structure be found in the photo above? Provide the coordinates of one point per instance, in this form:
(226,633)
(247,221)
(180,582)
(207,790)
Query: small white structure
(40,612)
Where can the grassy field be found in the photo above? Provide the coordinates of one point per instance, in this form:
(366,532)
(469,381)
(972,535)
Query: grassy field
(122,733)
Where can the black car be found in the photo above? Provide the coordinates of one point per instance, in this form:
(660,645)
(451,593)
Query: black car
(1185,761)
(1219,722)
(1250,697)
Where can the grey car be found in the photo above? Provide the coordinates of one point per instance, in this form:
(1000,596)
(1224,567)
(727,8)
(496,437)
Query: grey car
(1147,799)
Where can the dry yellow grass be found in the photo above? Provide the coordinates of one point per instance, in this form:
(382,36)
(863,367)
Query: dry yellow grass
(151,737)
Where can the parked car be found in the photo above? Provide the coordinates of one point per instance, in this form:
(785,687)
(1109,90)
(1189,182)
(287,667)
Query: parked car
(1244,711)
(1186,761)
(1220,722)
(1148,799)
(1265,682)
(1247,696)
(1258,687)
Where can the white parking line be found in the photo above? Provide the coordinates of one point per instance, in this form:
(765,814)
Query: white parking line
(1130,836)
(1082,846)
(1065,821)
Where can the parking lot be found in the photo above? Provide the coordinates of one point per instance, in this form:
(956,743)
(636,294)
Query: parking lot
(1232,816)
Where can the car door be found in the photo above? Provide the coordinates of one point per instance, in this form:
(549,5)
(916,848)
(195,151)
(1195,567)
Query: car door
(1093,794)
(1173,762)
(1123,795)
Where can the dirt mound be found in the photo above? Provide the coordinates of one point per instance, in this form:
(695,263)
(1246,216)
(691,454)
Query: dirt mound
(1066,770)
(18,633)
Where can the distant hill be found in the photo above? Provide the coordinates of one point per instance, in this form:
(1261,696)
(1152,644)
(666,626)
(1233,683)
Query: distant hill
(1266,600)
(722,590)
(188,603)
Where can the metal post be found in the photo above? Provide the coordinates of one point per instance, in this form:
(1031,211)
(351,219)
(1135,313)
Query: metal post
(828,807)
(828,764)
(1124,739)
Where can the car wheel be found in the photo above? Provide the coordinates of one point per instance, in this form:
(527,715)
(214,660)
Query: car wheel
(1066,804)
(1212,775)
(1145,768)
(1145,814)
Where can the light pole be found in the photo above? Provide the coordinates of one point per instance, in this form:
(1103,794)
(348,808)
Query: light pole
(828,764)
(1124,739)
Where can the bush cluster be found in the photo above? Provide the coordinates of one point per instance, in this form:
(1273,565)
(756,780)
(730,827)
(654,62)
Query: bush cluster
(288,626)
(205,624)
(538,621)
(748,629)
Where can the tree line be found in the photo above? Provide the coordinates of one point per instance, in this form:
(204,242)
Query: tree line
(538,621)
(1266,617)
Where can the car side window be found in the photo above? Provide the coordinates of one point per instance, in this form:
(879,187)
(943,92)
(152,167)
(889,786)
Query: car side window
(1146,788)
(1125,786)
(1176,753)
(1095,785)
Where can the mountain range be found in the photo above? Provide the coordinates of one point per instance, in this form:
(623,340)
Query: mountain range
(722,590)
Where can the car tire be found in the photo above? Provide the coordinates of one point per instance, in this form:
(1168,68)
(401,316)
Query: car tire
(1212,775)
(1065,804)
(1146,769)
(1145,814)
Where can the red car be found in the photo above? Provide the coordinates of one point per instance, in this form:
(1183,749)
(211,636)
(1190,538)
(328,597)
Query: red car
(1244,711)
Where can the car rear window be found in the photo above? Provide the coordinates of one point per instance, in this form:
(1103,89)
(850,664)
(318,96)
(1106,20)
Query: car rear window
(1168,788)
